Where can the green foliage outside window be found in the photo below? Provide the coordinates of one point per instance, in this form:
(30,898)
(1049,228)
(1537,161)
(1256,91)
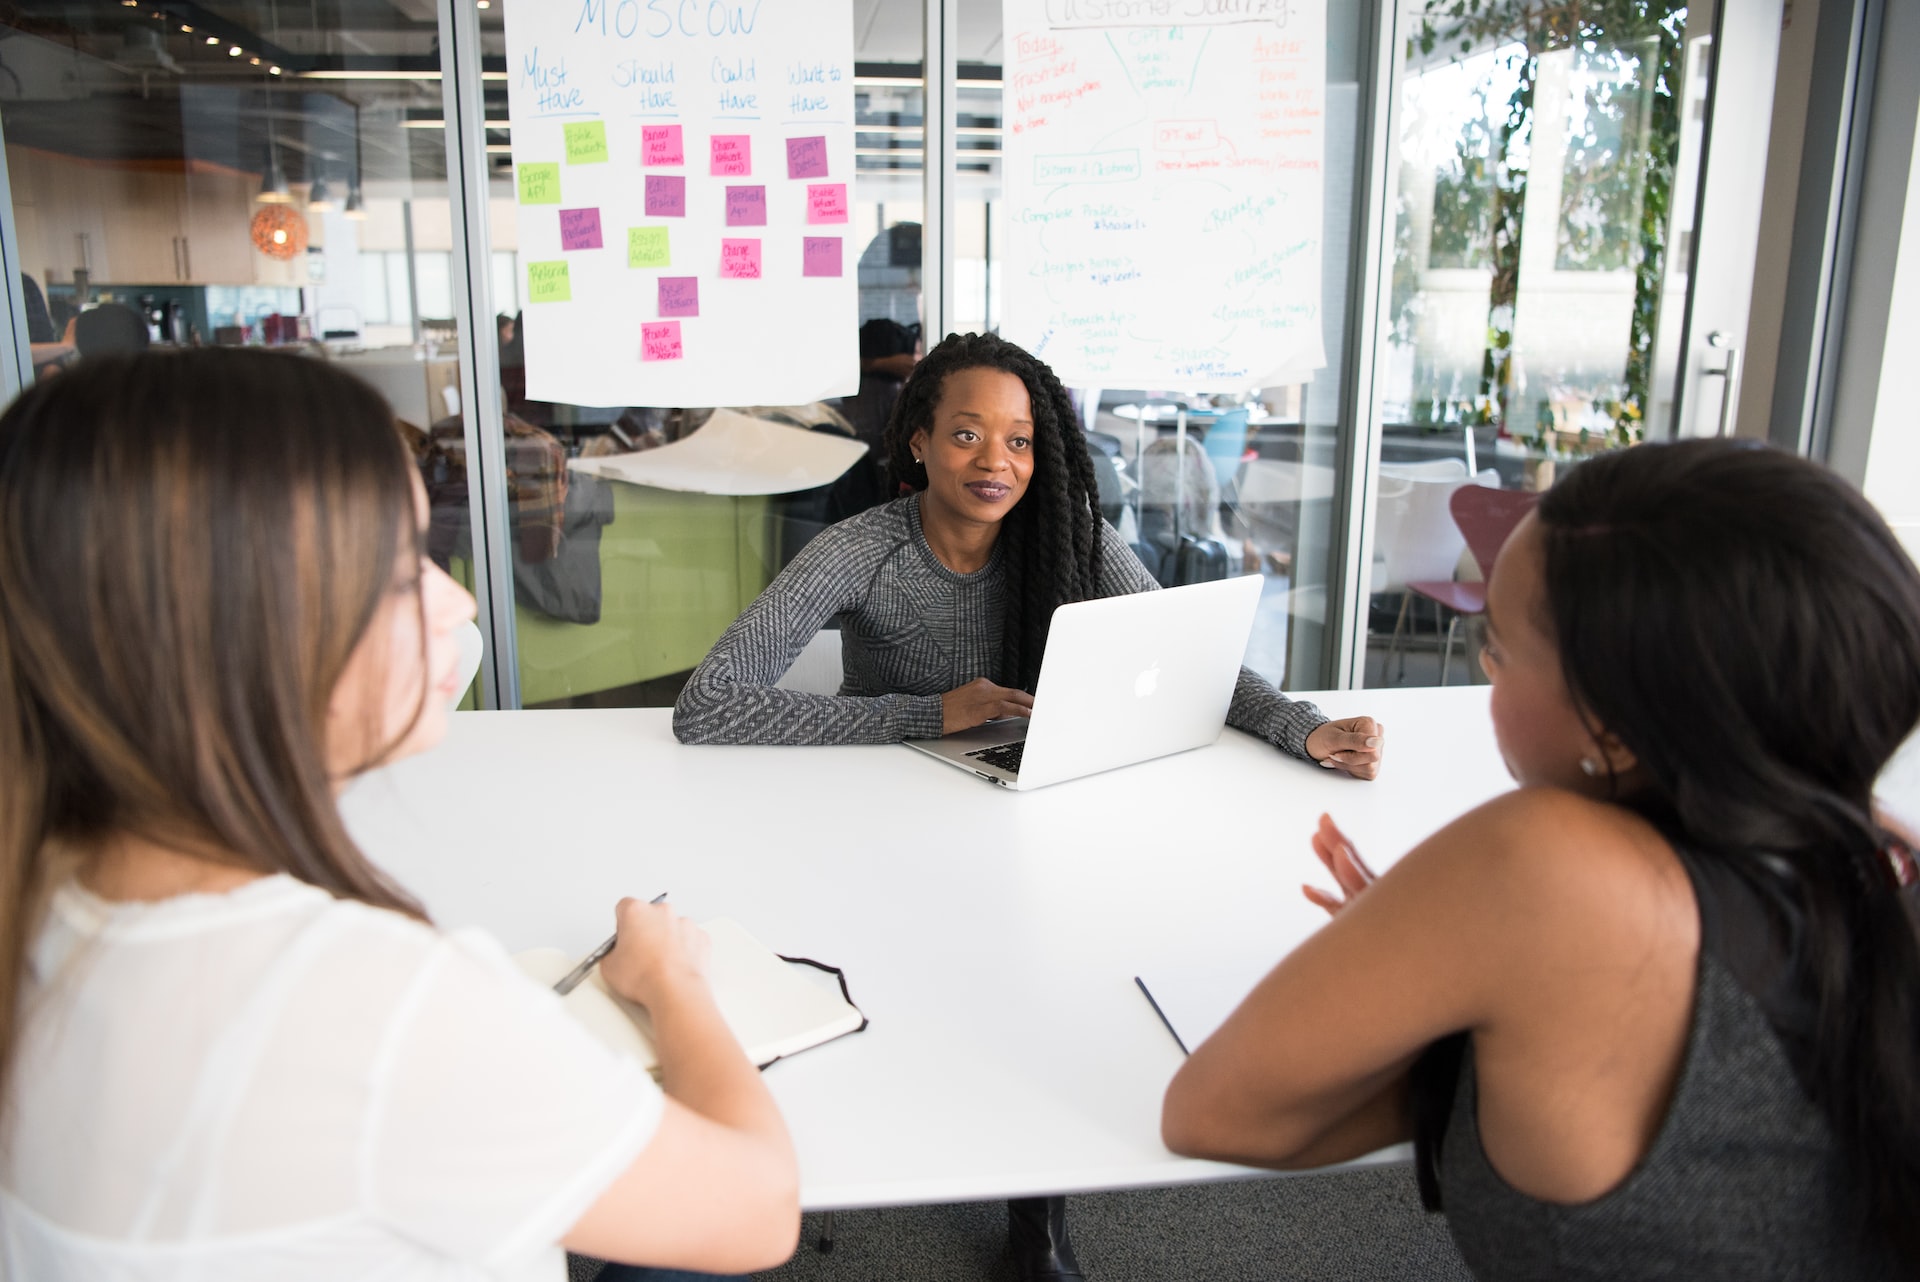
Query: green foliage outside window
(1615,200)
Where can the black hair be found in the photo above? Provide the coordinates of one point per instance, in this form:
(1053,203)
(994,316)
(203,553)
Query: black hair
(1049,545)
(1745,623)
(110,327)
(881,338)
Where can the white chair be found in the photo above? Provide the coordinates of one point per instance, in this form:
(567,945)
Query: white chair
(471,646)
(1415,538)
(817,670)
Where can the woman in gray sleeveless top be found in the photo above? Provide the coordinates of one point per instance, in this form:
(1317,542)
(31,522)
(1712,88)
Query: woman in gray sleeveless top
(1653,1014)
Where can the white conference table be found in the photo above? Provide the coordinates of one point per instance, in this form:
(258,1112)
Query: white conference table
(991,937)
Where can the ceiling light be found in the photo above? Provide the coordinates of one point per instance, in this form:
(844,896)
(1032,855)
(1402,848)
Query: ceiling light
(235,52)
(187,27)
(273,185)
(274,70)
(254,61)
(320,197)
(213,40)
(355,208)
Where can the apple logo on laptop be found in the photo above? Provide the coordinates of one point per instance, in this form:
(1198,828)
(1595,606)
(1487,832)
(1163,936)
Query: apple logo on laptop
(1147,682)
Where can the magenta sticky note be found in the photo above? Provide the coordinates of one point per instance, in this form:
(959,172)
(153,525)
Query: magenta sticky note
(666,196)
(660,145)
(746,206)
(826,202)
(806,157)
(679,295)
(740,259)
(732,155)
(579,229)
(820,256)
(660,340)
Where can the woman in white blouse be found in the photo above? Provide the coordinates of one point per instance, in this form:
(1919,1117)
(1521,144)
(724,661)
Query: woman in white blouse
(229,1046)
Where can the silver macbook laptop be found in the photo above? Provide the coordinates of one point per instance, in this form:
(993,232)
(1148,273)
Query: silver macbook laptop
(1125,679)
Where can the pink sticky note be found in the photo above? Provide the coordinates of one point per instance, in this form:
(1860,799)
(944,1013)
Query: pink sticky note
(667,196)
(660,340)
(820,257)
(732,155)
(740,259)
(826,202)
(679,295)
(806,157)
(746,206)
(660,145)
(579,229)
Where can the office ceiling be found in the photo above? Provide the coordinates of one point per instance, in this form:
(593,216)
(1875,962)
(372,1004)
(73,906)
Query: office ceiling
(357,85)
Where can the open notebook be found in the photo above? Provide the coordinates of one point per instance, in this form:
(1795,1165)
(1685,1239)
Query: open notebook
(772,1007)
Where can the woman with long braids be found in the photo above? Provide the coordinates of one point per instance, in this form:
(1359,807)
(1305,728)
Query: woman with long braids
(1656,1013)
(944,598)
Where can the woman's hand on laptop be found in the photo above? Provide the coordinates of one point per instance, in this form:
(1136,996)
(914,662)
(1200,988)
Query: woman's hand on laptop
(981,701)
(1354,745)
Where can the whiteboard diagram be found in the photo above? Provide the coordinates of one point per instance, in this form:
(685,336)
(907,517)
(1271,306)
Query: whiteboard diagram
(1163,163)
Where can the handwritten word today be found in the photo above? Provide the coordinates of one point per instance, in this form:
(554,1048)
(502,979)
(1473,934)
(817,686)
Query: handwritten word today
(657,19)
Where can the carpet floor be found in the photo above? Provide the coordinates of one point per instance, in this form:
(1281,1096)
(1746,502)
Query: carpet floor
(1348,1226)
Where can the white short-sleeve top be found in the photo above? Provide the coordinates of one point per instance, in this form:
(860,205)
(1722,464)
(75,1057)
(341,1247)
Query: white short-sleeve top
(273,1083)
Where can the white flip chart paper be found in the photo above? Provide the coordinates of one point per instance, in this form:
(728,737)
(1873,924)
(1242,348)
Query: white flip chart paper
(734,453)
(684,170)
(1163,164)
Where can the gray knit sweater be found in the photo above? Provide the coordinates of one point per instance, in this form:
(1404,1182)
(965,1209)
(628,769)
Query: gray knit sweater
(910,630)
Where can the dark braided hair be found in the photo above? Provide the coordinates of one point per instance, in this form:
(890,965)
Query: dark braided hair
(1049,544)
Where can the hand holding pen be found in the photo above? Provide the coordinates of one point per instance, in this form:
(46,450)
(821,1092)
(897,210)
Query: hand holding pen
(654,949)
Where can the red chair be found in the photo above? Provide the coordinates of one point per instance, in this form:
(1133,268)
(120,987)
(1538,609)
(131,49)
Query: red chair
(1486,517)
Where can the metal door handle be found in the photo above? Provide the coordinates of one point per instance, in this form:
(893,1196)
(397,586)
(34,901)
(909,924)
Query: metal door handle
(1731,394)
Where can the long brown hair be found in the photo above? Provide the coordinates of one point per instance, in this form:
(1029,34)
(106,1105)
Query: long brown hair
(191,545)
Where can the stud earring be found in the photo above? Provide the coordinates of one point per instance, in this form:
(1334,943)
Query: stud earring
(916,458)
(1588,766)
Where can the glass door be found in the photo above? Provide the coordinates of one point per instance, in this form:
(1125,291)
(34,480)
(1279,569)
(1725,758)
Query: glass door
(1568,272)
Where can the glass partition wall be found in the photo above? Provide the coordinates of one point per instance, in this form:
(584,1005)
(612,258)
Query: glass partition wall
(1265,497)
(258,172)
(1541,180)
(620,589)
(233,173)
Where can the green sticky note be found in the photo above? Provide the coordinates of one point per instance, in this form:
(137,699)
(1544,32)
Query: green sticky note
(647,247)
(586,142)
(548,283)
(540,184)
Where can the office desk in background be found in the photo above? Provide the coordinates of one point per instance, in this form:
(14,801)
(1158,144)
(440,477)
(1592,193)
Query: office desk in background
(991,937)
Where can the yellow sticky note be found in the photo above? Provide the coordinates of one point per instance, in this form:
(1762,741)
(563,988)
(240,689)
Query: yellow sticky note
(586,142)
(540,184)
(549,283)
(647,247)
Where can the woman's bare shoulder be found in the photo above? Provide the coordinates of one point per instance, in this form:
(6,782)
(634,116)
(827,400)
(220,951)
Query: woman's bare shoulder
(1554,870)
